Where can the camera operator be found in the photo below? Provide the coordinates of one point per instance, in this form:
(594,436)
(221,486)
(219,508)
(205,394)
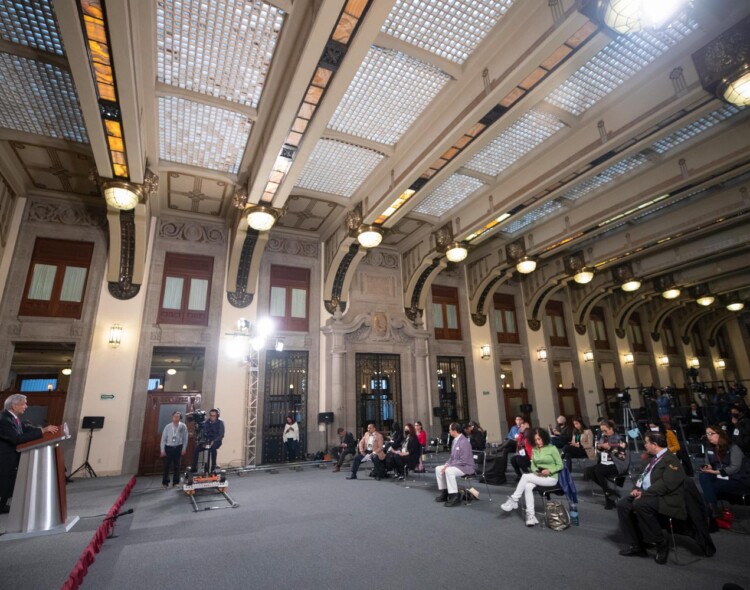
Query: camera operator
(213,434)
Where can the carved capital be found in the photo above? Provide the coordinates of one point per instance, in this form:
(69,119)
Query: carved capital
(123,290)
(620,332)
(580,328)
(479,319)
(534,325)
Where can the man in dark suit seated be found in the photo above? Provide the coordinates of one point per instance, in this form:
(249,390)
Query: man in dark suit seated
(659,490)
(13,432)
(347,446)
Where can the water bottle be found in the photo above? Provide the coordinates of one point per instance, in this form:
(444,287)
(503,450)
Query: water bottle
(574,518)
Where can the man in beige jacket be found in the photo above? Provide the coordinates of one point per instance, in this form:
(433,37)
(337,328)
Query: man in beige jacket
(371,445)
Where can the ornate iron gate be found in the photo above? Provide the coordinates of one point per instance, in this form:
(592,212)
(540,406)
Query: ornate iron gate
(285,393)
(379,380)
(451,382)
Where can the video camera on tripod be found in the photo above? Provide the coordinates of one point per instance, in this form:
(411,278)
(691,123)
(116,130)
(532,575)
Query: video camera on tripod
(624,397)
(198,418)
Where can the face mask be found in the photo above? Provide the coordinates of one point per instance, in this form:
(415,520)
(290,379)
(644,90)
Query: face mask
(654,430)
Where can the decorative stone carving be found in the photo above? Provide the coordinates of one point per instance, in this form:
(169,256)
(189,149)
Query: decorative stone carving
(192,232)
(534,325)
(443,236)
(381,259)
(685,339)
(296,247)
(378,327)
(123,290)
(479,319)
(239,299)
(65,213)
(14,329)
(620,332)
(580,328)
(353,219)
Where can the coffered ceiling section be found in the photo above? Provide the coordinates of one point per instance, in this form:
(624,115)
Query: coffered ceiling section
(37,94)
(196,194)
(209,51)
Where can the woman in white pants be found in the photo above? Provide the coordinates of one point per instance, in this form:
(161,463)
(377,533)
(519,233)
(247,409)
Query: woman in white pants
(546,463)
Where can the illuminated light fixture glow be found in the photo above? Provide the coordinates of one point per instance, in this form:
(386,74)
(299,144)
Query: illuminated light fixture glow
(737,89)
(588,356)
(115,335)
(721,364)
(631,285)
(706,300)
(695,363)
(664,360)
(541,354)
(122,196)
(631,16)
(456,252)
(487,227)
(484,352)
(583,276)
(279,345)
(262,218)
(67,371)
(396,205)
(672,293)
(736,306)
(629,358)
(265,327)
(172,371)
(369,236)
(526,265)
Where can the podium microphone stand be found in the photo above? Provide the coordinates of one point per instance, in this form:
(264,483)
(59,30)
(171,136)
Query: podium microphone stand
(91,423)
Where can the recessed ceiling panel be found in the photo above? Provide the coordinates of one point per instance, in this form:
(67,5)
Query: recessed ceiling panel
(338,168)
(451,29)
(31,23)
(221,48)
(617,62)
(188,192)
(56,169)
(404,228)
(512,144)
(39,98)
(201,135)
(388,93)
(449,194)
(536,214)
(306,214)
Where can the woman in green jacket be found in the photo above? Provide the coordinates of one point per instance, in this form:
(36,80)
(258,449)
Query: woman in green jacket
(546,463)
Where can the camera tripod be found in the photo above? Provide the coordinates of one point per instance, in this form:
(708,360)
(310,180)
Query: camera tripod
(630,423)
(86,466)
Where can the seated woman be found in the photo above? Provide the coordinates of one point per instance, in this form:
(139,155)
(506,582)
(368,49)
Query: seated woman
(728,469)
(409,454)
(422,437)
(546,463)
(395,439)
(521,461)
(581,445)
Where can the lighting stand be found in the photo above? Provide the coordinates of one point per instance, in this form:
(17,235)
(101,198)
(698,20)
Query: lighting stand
(86,466)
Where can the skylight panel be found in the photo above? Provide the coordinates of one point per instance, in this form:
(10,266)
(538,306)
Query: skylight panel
(221,48)
(201,135)
(606,176)
(614,64)
(39,98)
(695,128)
(451,29)
(338,168)
(518,140)
(536,214)
(449,194)
(31,23)
(388,93)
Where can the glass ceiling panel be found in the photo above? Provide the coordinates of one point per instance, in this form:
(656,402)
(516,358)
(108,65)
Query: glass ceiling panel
(221,48)
(617,62)
(534,215)
(201,135)
(518,140)
(388,93)
(695,128)
(31,23)
(451,29)
(39,98)
(323,170)
(449,194)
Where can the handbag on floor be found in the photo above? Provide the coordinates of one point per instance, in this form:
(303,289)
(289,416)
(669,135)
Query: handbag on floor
(556,515)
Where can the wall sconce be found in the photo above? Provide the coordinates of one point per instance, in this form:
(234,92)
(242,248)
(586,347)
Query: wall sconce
(588,356)
(623,275)
(456,252)
(184,387)
(629,358)
(67,371)
(484,351)
(115,335)
(279,345)
(721,364)
(370,236)
(261,218)
(695,363)
(575,265)
(515,253)
(664,361)
(667,287)
(541,354)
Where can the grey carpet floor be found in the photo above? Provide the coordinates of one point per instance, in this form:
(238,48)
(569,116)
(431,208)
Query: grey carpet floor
(314,530)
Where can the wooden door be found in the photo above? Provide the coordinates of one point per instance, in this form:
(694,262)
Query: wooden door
(514,399)
(569,405)
(159,409)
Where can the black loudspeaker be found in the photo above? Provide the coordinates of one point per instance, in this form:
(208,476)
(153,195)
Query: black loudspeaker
(437,412)
(527,408)
(90,422)
(325,418)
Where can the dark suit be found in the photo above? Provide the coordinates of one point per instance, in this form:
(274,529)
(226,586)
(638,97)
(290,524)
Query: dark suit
(347,446)
(11,435)
(639,518)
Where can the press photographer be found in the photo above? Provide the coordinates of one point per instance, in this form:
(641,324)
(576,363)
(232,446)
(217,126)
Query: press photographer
(209,435)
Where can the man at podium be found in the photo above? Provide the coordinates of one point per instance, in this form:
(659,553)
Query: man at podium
(13,432)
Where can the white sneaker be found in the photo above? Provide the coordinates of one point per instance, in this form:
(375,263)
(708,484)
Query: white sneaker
(510,505)
(531,519)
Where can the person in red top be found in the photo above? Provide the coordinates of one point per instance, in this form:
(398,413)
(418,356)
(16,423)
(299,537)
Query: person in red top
(421,434)
(521,461)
